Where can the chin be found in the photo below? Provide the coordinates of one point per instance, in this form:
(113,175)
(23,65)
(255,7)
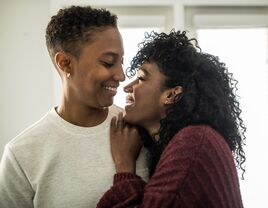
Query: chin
(106,103)
(130,119)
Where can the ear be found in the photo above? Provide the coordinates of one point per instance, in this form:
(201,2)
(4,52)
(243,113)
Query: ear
(170,96)
(63,63)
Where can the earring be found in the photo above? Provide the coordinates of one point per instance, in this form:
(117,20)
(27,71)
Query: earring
(68,75)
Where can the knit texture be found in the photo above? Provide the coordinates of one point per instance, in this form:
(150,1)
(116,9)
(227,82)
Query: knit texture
(195,170)
(55,164)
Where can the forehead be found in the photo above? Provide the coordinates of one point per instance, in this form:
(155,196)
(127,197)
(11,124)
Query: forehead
(107,42)
(149,68)
(152,70)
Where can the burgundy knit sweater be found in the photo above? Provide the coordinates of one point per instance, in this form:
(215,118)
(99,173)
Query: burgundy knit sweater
(195,170)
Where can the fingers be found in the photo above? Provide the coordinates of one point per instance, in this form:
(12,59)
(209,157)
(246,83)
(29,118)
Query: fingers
(113,125)
(120,122)
(119,126)
(117,123)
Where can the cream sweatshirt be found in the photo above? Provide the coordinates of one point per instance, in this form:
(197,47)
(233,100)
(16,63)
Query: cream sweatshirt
(55,164)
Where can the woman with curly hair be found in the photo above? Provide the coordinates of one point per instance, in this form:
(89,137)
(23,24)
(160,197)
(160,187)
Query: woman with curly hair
(185,109)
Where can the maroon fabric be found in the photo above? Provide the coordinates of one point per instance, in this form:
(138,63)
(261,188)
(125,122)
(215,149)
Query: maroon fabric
(195,170)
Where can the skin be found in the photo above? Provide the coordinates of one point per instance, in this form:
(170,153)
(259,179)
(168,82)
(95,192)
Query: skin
(90,81)
(125,145)
(144,102)
(147,100)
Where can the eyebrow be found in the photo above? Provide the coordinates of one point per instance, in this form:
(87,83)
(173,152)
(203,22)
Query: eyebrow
(111,54)
(114,55)
(144,71)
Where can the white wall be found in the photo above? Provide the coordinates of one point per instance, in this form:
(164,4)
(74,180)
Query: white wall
(27,81)
(26,90)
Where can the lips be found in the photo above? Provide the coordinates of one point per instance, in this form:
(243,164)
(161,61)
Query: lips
(129,100)
(112,90)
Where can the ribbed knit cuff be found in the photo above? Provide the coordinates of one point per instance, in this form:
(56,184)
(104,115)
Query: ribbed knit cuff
(119,177)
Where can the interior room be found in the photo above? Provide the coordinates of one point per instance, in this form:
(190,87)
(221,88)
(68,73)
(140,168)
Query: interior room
(234,30)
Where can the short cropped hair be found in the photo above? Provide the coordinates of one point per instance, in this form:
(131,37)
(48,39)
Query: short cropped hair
(73,26)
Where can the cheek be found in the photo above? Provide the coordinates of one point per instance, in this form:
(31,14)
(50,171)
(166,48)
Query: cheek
(148,102)
(141,92)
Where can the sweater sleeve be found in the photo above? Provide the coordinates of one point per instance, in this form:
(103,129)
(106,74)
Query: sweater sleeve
(15,190)
(189,174)
(161,190)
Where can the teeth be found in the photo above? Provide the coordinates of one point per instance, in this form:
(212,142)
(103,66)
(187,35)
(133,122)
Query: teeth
(129,102)
(114,89)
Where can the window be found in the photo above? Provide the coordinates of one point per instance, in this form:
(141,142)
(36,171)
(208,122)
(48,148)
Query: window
(239,37)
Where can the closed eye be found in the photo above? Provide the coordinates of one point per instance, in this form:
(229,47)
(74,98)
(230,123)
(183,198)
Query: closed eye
(107,65)
(140,78)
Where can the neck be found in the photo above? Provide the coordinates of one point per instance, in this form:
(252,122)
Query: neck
(84,116)
(153,130)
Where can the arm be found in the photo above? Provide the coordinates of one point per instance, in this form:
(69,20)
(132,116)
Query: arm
(129,190)
(15,190)
(163,188)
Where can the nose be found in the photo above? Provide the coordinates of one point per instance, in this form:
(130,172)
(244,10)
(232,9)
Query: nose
(129,87)
(119,74)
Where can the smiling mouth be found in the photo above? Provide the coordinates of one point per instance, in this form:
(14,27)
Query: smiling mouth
(113,89)
(129,100)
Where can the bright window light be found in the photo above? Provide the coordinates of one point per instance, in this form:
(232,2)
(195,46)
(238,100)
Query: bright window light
(245,53)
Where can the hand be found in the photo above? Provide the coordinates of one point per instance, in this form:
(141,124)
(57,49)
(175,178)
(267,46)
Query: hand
(125,145)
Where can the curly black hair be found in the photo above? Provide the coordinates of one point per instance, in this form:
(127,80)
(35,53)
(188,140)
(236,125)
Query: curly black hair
(208,97)
(74,25)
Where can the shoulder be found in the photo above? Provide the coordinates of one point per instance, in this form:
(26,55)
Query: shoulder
(34,144)
(198,144)
(188,136)
(185,150)
(32,133)
(114,110)
(198,134)
(196,139)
